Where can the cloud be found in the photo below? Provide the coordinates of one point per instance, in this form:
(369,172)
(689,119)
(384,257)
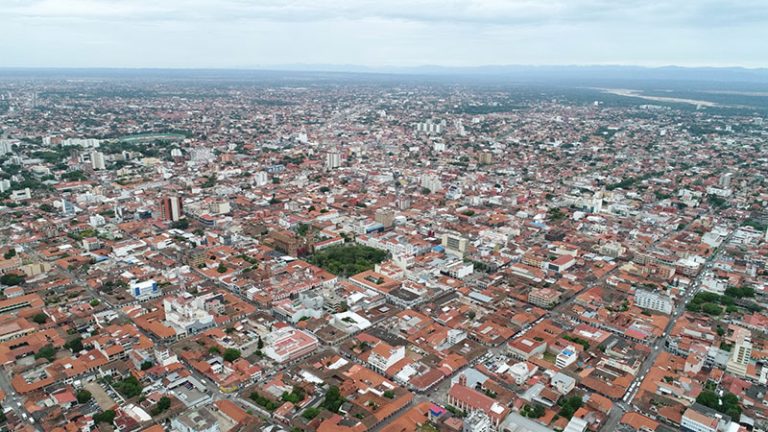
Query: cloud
(225,33)
(491,12)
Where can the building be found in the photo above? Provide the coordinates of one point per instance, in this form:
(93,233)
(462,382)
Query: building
(383,356)
(187,314)
(654,301)
(26,301)
(332,160)
(454,244)
(144,290)
(577,424)
(725,180)
(286,343)
(385,217)
(171,209)
(431,182)
(477,421)
(197,420)
(544,297)
(97,160)
(741,354)
(470,400)
(699,418)
(566,357)
(521,371)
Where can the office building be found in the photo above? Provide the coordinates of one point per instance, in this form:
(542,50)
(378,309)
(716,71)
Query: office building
(97,160)
(741,354)
(332,160)
(171,208)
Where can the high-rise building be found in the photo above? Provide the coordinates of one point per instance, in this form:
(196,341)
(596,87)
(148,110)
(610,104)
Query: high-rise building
(741,354)
(97,160)
(725,180)
(171,208)
(385,216)
(332,160)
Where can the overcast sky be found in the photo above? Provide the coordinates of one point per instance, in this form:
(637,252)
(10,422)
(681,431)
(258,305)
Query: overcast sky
(263,33)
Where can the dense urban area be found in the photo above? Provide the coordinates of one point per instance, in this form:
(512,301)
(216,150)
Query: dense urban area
(332,254)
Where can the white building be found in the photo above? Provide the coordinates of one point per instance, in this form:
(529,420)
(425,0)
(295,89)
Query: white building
(741,354)
(698,418)
(187,314)
(198,420)
(477,421)
(520,372)
(431,182)
(384,356)
(332,160)
(654,301)
(81,142)
(144,290)
(286,343)
(97,160)
(260,178)
(566,357)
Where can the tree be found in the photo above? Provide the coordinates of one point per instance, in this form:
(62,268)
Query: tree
(533,411)
(221,268)
(711,309)
(128,387)
(231,354)
(295,396)
(107,416)
(162,405)
(727,404)
(389,394)
(11,279)
(146,364)
(10,254)
(95,302)
(260,343)
(75,345)
(333,400)
(40,318)
(349,259)
(310,413)
(181,224)
(569,406)
(47,352)
(83,396)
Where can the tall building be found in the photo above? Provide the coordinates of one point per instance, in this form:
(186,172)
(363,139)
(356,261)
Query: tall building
(332,160)
(97,160)
(741,354)
(385,216)
(171,208)
(725,180)
(454,244)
